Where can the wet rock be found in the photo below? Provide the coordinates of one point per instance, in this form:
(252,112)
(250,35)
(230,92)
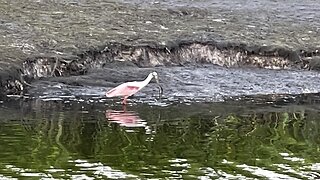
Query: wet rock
(313,63)
(11,81)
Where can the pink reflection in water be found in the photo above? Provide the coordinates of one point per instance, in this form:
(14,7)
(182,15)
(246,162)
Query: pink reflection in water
(125,118)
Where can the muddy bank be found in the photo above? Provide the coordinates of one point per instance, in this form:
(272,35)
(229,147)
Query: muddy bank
(177,53)
(62,38)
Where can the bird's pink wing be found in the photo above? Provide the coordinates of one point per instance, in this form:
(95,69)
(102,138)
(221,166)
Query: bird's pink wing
(122,90)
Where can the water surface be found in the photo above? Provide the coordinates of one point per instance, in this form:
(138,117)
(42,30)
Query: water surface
(86,140)
(200,83)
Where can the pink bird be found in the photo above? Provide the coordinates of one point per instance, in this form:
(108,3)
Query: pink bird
(129,88)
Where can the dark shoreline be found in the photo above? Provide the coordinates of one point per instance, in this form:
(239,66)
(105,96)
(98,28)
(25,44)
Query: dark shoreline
(177,53)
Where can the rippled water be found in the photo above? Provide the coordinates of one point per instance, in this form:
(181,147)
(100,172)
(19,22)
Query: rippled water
(207,83)
(82,139)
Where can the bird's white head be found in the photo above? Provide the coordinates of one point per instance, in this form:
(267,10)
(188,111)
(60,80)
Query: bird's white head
(155,74)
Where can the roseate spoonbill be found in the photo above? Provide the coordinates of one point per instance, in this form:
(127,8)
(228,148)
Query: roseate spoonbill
(129,88)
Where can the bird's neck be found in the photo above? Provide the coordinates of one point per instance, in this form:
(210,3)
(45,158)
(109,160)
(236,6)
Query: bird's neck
(147,80)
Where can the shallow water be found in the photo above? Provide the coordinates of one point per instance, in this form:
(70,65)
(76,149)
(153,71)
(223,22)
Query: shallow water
(87,140)
(202,83)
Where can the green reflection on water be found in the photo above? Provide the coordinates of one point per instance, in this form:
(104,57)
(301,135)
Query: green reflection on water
(52,139)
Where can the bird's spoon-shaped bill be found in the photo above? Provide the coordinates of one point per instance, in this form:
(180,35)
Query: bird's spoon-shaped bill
(160,91)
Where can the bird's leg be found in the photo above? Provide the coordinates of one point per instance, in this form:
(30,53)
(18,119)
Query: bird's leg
(124,101)
(124,108)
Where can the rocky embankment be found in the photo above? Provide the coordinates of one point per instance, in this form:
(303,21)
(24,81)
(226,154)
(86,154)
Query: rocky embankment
(63,38)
